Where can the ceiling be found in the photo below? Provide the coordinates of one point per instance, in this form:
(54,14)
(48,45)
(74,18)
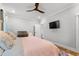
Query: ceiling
(20,8)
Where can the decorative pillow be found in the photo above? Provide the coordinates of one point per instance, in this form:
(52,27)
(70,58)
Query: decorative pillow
(12,35)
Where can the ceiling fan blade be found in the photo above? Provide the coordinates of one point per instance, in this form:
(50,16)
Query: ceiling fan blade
(40,11)
(29,10)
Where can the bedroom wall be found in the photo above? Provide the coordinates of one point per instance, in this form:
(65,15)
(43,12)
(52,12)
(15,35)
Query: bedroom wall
(15,24)
(66,34)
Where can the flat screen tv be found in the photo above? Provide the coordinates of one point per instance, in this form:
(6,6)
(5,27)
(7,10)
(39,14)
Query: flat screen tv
(54,24)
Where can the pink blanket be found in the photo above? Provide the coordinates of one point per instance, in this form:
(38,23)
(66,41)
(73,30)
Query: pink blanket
(34,46)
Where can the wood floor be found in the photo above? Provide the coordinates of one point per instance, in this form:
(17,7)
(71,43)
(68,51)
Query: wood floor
(72,53)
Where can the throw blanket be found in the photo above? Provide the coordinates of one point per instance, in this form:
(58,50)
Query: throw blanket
(34,46)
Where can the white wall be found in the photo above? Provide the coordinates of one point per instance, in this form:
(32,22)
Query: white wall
(15,24)
(66,34)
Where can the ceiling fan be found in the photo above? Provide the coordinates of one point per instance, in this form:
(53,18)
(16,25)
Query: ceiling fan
(36,8)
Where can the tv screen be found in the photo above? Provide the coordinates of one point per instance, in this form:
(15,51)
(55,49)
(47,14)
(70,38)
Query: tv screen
(54,24)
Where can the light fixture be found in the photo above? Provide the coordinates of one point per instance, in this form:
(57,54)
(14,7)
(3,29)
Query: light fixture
(13,11)
(41,20)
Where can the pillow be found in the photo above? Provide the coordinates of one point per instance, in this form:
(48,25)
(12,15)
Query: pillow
(12,35)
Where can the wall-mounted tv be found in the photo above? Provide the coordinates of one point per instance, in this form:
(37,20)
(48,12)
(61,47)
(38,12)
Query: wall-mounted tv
(54,24)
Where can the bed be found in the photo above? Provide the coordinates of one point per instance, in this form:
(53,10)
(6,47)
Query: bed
(27,46)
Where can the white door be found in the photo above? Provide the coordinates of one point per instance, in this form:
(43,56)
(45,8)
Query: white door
(77,32)
(37,30)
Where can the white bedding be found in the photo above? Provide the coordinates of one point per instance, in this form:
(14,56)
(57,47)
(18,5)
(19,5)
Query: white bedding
(16,50)
(6,41)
